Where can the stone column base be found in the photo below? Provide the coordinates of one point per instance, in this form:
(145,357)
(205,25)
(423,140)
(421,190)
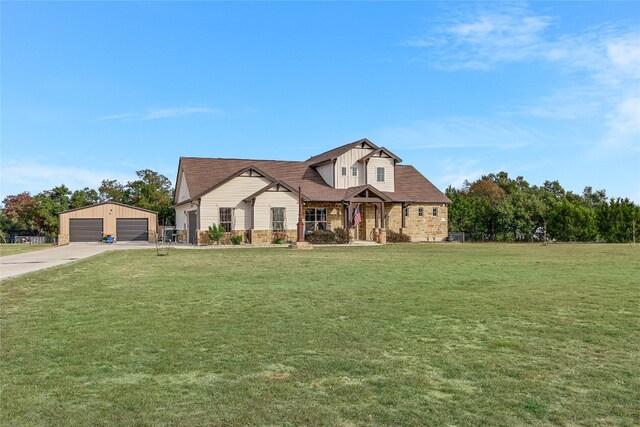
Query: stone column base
(382,236)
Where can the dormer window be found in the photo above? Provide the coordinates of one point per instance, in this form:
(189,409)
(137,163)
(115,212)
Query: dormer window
(354,171)
(380,174)
(344,171)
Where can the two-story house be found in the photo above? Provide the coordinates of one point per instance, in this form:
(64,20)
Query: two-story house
(259,198)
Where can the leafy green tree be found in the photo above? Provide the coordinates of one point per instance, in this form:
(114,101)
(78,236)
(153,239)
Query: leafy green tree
(85,197)
(21,210)
(6,226)
(593,198)
(113,191)
(49,204)
(153,191)
(461,211)
(572,221)
(216,232)
(618,220)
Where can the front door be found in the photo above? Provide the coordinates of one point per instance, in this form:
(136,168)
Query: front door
(192,227)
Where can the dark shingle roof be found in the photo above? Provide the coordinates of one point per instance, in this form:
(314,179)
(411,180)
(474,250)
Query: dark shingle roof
(203,174)
(412,186)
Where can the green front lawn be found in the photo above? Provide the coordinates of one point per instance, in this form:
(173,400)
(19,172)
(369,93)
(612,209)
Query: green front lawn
(18,248)
(395,335)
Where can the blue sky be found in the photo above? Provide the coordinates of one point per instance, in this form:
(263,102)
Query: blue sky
(93,91)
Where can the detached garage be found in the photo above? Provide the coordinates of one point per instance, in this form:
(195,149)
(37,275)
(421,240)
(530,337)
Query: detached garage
(91,223)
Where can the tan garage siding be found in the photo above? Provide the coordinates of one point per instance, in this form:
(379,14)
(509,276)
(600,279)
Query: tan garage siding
(108,212)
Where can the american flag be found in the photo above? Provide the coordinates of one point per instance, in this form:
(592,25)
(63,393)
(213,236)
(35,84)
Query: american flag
(357,216)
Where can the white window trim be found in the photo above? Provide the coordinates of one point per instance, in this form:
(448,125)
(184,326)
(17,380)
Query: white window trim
(378,169)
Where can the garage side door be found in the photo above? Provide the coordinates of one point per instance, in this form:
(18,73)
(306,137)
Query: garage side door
(128,229)
(85,229)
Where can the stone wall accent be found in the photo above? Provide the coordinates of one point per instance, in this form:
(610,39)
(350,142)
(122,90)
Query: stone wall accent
(419,228)
(204,239)
(264,237)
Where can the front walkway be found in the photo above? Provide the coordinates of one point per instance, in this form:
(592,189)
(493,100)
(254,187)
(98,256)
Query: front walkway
(27,262)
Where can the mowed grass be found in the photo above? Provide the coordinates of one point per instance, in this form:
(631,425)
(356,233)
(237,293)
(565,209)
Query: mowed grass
(396,335)
(18,248)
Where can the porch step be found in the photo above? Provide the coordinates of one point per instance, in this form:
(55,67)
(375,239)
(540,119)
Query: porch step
(363,243)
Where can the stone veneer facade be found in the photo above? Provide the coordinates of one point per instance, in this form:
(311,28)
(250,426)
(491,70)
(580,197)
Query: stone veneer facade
(420,228)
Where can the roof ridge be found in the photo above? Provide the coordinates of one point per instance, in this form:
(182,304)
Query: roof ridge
(244,160)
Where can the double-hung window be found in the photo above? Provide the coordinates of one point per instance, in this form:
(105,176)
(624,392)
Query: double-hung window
(226,218)
(420,211)
(315,219)
(354,171)
(435,211)
(344,171)
(277,219)
(380,174)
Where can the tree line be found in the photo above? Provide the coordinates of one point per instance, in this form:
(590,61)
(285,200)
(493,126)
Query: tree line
(39,214)
(498,208)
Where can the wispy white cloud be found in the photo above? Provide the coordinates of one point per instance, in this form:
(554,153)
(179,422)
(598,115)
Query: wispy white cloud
(456,171)
(601,63)
(34,177)
(159,113)
(484,37)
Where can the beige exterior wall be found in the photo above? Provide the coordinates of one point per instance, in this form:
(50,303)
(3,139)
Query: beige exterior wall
(108,212)
(275,199)
(230,195)
(420,229)
(389,175)
(183,189)
(349,159)
(181,215)
(326,172)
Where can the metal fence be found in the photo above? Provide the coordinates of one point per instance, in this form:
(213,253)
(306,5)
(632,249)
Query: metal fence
(456,237)
(31,240)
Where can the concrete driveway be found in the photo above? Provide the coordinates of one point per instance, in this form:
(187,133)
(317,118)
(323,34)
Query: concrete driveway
(18,264)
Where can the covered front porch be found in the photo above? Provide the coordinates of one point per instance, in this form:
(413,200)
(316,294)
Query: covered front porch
(361,212)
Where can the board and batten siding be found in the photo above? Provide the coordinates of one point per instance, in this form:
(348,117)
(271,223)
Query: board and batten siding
(183,190)
(389,178)
(326,172)
(347,160)
(230,195)
(108,212)
(275,199)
